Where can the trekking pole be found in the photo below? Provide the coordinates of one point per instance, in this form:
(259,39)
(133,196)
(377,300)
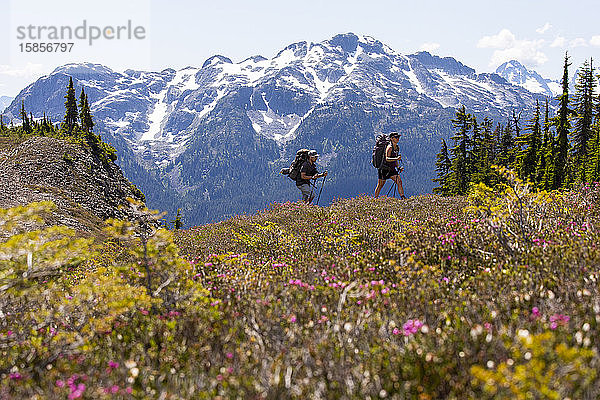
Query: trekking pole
(322,184)
(390,189)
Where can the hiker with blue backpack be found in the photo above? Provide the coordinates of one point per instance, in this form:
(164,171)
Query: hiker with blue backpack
(386,155)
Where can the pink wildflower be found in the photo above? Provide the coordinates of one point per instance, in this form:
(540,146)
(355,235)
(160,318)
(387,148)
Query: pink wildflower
(15,376)
(411,327)
(558,319)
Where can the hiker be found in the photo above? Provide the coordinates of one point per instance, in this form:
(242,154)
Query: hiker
(308,171)
(388,169)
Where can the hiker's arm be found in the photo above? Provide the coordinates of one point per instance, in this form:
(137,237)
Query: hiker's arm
(388,151)
(308,177)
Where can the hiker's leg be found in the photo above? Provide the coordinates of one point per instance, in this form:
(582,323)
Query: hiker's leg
(398,181)
(380,183)
(305,189)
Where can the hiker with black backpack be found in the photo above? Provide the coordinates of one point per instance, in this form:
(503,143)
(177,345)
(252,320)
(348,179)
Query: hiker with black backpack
(308,171)
(386,155)
(302,170)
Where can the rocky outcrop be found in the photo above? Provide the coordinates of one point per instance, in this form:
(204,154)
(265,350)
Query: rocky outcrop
(86,189)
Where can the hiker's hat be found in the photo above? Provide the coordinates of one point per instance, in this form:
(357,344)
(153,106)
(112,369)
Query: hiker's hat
(313,153)
(394,134)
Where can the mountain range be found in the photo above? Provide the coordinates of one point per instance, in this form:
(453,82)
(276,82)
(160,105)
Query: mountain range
(5,102)
(211,139)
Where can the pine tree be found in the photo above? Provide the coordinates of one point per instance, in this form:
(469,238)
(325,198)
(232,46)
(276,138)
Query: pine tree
(85,115)
(477,154)
(177,222)
(26,122)
(544,156)
(593,166)
(506,146)
(442,168)
(563,126)
(526,161)
(459,175)
(71,112)
(593,170)
(583,104)
(489,151)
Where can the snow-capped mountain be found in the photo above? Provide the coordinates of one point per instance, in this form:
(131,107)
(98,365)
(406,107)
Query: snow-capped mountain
(178,124)
(5,102)
(517,74)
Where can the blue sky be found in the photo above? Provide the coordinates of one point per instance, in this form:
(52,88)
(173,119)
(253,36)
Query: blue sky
(481,34)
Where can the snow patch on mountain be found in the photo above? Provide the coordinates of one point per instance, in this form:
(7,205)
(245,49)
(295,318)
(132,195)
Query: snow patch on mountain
(271,125)
(156,117)
(517,74)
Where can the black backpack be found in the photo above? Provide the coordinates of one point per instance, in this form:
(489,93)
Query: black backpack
(293,172)
(381,144)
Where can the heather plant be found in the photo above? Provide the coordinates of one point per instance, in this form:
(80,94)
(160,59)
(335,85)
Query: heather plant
(494,295)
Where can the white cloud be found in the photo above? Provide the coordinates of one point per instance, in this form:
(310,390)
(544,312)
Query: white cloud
(508,47)
(502,40)
(544,28)
(559,41)
(429,46)
(595,40)
(579,42)
(27,71)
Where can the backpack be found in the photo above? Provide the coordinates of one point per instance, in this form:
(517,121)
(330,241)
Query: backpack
(381,144)
(293,172)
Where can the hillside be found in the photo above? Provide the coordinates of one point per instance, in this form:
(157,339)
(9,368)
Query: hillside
(494,296)
(85,189)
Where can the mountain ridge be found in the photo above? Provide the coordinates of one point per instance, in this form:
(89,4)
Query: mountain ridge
(156,120)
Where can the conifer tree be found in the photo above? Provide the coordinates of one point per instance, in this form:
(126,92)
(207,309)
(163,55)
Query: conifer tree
(71,112)
(442,168)
(544,156)
(459,175)
(583,108)
(527,158)
(506,146)
(177,222)
(593,166)
(85,115)
(489,151)
(563,127)
(477,154)
(26,122)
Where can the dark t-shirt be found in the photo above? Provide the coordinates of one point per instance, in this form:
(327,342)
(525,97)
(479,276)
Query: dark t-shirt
(391,165)
(309,169)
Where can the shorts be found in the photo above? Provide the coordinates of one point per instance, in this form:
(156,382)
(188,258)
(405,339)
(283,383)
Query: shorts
(306,190)
(386,173)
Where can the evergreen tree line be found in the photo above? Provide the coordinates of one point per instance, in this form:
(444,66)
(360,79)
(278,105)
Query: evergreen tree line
(77,125)
(551,151)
